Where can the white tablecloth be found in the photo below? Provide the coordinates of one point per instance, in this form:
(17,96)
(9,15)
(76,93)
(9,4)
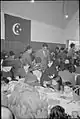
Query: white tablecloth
(69,107)
(54,99)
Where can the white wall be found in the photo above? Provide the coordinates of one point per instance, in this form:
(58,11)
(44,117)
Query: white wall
(47,12)
(72,29)
(40,32)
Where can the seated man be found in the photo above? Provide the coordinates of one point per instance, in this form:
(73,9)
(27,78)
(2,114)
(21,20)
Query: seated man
(31,79)
(49,75)
(9,60)
(4,55)
(68,92)
(11,55)
(18,69)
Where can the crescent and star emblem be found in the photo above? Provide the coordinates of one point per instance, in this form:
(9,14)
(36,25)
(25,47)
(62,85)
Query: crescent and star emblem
(16,29)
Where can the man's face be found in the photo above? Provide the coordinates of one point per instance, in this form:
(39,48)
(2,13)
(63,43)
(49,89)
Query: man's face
(30,51)
(67,89)
(45,48)
(61,50)
(13,56)
(73,47)
(57,50)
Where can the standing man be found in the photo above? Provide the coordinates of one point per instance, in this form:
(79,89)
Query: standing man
(26,57)
(44,55)
(72,50)
(56,52)
(71,56)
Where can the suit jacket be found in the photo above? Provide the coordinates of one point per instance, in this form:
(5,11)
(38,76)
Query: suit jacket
(62,55)
(45,57)
(48,72)
(71,53)
(26,58)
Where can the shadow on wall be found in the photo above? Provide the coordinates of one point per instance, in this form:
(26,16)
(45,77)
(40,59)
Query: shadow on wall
(18,47)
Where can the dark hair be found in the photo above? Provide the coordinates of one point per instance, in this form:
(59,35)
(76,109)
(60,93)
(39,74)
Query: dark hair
(5,80)
(11,53)
(3,54)
(45,45)
(28,48)
(58,112)
(13,116)
(67,83)
(65,51)
(72,45)
(62,48)
(57,48)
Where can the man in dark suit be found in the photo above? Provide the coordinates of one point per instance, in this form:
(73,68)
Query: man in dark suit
(49,75)
(44,55)
(72,50)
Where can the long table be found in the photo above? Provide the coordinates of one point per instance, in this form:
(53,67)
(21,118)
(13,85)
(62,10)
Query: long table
(54,98)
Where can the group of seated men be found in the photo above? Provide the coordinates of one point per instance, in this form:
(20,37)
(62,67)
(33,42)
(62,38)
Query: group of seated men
(47,64)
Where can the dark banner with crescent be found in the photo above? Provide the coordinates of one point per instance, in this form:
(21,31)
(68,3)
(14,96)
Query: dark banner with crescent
(17,29)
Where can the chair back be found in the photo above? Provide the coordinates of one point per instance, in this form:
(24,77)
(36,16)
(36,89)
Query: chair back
(76,93)
(67,77)
(78,80)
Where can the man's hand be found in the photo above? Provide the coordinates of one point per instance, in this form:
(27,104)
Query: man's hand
(51,77)
(50,63)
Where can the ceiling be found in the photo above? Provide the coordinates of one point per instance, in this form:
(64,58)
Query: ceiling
(50,12)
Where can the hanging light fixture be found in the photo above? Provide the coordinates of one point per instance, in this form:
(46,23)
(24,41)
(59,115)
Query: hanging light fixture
(65,9)
(32,1)
(66,16)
